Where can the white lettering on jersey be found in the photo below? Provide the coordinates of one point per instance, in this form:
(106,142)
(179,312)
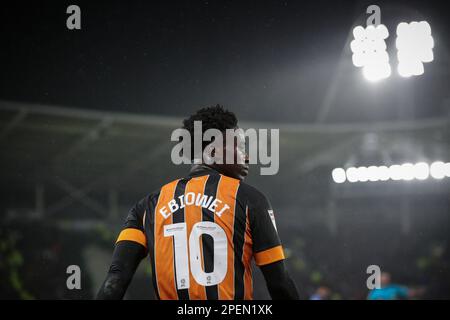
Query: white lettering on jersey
(191,199)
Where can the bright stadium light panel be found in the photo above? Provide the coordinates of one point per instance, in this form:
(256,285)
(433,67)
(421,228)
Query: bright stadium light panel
(437,170)
(383,173)
(407,171)
(415,46)
(421,171)
(338,175)
(373,173)
(369,51)
(351,174)
(447,169)
(396,172)
(362,174)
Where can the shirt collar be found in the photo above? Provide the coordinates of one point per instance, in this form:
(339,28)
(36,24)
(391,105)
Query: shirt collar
(202,169)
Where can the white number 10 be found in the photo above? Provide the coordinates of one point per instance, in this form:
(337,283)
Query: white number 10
(179,233)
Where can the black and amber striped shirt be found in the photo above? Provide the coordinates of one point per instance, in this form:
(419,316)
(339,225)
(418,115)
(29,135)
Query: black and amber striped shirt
(201,233)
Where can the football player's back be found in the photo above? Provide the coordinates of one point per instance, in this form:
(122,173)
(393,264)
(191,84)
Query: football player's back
(196,232)
(202,232)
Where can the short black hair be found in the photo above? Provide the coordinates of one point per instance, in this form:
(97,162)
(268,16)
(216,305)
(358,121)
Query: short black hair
(214,117)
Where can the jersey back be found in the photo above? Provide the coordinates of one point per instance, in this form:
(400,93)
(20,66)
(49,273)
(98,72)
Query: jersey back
(201,233)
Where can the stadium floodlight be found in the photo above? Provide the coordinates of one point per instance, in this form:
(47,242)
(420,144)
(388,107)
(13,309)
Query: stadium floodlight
(406,172)
(395,172)
(373,173)
(415,46)
(383,173)
(369,51)
(421,171)
(362,174)
(447,169)
(338,175)
(352,174)
(437,170)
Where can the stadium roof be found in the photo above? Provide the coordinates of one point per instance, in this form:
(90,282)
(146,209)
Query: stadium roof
(82,154)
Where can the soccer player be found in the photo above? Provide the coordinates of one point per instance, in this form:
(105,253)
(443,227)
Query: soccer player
(322,293)
(390,291)
(203,231)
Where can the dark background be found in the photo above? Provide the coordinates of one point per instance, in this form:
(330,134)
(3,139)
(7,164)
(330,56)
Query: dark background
(170,57)
(280,64)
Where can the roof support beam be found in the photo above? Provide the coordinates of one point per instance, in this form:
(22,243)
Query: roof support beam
(89,137)
(15,121)
(74,193)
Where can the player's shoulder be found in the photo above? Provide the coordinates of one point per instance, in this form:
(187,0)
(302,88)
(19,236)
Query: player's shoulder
(156,192)
(252,193)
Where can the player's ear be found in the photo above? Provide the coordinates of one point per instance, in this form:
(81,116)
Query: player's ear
(209,153)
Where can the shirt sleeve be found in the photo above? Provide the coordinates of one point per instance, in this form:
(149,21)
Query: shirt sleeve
(267,246)
(134,224)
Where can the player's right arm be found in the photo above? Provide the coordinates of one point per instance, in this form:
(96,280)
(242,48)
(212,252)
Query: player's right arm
(267,248)
(126,258)
(279,282)
(130,249)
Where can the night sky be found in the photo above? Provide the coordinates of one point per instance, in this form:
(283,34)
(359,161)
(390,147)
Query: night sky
(265,60)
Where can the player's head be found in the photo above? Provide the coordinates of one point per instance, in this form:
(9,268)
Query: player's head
(216,117)
(324,292)
(385,279)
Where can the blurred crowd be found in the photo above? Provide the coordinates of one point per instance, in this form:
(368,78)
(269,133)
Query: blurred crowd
(34,257)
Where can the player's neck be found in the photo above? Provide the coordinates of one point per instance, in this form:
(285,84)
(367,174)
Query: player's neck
(196,168)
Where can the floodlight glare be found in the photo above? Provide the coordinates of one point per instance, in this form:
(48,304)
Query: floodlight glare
(415,46)
(338,175)
(362,174)
(447,169)
(421,171)
(352,174)
(383,172)
(373,173)
(369,51)
(437,170)
(406,172)
(395,172)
